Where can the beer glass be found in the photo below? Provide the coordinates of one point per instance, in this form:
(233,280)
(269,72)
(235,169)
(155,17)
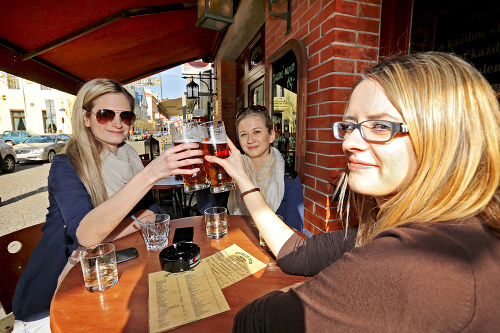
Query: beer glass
(214,142)
(185,131)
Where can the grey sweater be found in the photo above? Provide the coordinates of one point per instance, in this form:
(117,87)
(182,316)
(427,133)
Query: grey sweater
(420,277)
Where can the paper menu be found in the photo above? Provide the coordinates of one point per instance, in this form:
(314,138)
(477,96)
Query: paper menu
(177,299)
(232,265)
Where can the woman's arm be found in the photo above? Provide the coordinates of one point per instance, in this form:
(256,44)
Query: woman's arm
(274,231)
(103,219)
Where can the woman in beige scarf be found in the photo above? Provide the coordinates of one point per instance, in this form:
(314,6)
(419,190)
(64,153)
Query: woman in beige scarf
(266,168)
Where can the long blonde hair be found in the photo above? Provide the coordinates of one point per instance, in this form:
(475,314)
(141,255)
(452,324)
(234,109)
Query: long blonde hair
(84,149)
(453,119)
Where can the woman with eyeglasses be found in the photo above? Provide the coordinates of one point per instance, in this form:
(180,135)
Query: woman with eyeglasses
(94,188)
(264,164)
(422,140)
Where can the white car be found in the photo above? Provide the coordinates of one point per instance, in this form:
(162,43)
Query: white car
(8,156)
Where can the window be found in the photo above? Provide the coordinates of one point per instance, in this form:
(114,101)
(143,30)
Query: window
(44,119)
(42,87)
(288,79)
(18,121)
(12,81)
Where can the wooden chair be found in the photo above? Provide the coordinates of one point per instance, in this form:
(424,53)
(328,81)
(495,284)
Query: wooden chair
(15,252)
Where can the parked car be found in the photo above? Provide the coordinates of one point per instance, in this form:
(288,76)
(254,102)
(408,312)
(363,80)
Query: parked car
(8,156)
(137,136)
(41,147)
(157,134)
(15,137)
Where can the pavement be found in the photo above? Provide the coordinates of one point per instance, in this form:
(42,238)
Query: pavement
(24,194)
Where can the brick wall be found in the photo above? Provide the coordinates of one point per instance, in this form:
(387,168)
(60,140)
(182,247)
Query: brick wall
(341,39)
(225,101)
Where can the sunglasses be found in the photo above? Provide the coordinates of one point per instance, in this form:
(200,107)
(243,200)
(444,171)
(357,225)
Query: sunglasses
(105,116)
(253,107)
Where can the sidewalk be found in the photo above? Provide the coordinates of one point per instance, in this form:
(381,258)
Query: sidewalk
(24,194)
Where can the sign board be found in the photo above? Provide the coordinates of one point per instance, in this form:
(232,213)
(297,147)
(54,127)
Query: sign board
(147,82)
(471,30)
(285,71)
(198,112)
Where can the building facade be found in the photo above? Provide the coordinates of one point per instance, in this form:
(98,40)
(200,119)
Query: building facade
(29,106)
(303,69)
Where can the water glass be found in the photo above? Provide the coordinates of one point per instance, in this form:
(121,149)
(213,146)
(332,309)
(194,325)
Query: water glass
(99,267)
(216,222)
(155,229)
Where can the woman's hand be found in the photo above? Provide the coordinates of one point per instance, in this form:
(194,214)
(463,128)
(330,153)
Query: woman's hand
(233,164)
(169,163)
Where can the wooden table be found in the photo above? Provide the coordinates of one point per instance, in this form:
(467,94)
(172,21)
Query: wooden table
(124,307)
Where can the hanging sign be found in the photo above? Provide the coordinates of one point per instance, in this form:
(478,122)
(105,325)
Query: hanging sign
(285,71)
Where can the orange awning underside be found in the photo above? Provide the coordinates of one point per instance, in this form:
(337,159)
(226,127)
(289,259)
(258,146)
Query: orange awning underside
(76,41)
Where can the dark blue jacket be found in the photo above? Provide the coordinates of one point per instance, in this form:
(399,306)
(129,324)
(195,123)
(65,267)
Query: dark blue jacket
(69,202)
(291,207)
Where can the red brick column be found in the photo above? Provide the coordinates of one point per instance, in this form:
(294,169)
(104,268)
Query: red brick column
(341,39)
(225,101)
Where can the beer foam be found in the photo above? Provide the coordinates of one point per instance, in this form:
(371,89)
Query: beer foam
(186,141)
(213,142)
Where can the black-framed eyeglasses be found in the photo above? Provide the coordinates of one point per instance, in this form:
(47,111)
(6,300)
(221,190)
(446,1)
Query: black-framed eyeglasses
(105,116)
(253,107)
(371,130)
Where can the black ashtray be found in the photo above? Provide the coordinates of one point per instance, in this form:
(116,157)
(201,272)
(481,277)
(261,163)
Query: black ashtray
(180,257)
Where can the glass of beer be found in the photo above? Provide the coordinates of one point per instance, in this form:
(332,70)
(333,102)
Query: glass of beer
(185,131)
(214,143)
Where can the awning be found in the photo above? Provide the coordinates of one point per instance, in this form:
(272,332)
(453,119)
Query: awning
(62,44)
(172,107)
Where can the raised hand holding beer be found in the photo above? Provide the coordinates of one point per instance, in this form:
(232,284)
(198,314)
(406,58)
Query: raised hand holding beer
(214,143)
(187,131)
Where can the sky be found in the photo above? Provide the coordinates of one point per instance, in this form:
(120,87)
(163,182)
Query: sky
(172,83)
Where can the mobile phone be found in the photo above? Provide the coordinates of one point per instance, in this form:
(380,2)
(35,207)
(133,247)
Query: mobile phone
(126,254)
(183,235)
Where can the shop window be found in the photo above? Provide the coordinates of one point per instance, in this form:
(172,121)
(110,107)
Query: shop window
(255,53)
(288,79)
(257,92)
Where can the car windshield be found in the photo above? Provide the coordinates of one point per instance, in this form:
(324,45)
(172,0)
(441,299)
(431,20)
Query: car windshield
(41,139)
(137,133)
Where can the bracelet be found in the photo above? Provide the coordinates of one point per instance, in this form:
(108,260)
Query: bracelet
(255,189)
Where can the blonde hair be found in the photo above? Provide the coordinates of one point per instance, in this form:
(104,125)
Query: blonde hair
(84,149)
(453,119)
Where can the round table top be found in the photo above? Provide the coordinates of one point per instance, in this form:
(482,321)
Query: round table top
(124,307)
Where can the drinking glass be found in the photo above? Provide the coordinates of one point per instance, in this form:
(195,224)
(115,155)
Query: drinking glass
(214,143)
(155,229)
(99,267)
(185,131)
(216,222)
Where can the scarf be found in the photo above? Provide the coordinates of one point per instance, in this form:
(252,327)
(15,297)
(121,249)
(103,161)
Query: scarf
(270,179)
(117,170)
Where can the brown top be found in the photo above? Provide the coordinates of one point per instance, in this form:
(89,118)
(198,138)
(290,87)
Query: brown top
(420,277)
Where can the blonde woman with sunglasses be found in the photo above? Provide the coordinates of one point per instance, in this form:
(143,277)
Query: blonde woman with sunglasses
(421,137)
(94,188)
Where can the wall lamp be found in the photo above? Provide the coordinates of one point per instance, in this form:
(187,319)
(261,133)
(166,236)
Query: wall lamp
(215,14)
(286,15)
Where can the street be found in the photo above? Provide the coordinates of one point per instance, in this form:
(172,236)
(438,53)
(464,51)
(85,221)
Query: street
(24,194)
